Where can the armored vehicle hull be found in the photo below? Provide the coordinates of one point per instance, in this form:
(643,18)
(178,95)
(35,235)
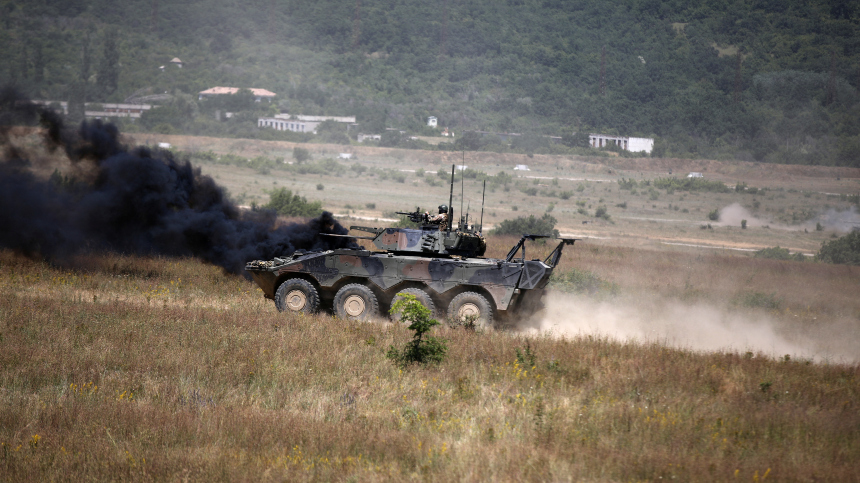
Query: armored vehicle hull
(361,284)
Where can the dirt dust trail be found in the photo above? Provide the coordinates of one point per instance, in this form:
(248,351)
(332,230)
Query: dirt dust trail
(700,327)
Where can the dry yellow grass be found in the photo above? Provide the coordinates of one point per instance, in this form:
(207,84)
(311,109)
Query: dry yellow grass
(141,369)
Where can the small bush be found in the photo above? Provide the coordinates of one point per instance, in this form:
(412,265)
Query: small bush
(544,225)
(601,212)
(743,224)
(358,168)
(843,250)
(714,215)
(565,195)
(284,202)
(622,205)
(370,206)
(422,349)
(419,172)
(777,253)
(529,191)
(301,155)
(320,187)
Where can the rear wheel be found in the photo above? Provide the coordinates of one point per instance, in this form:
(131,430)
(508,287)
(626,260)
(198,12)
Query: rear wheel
(297,295)
(422,296)
(355,302)
(471,306)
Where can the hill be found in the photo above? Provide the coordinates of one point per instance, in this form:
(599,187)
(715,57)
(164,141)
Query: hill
(772,81)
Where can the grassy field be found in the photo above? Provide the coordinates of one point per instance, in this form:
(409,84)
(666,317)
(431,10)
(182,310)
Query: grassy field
(783,204)
(665,352)
(136,369)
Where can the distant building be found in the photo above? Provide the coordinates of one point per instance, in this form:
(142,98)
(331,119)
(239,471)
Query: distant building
(626,143)
(695,175)
(176,62)
(280,124)
(432,121)
(259,94)
(369,137)
(300,122)
(344,156)
(521,167)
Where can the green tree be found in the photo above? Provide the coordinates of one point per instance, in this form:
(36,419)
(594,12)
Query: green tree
(108,71)
(843,250)
(284,202)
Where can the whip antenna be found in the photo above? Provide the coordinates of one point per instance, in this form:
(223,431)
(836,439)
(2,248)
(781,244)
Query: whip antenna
(451,202)
(462,184)
(483,195)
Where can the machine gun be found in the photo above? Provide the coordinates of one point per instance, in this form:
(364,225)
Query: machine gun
(416,216)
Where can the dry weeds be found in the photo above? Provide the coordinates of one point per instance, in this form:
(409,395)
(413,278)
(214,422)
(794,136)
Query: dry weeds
(140,369)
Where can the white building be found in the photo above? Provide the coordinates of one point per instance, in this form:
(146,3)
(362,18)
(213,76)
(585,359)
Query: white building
(259,94)
(300,122)
(369,137)
(432,121)
(280,124)
(624,142)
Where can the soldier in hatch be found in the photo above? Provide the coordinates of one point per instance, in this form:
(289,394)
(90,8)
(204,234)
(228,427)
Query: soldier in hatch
(441,219)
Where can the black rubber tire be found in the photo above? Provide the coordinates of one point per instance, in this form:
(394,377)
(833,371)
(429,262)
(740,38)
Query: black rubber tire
(298,296)
(471,303)
(419,294)
(356,302)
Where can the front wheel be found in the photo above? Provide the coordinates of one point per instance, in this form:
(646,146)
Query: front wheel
(471,306)
(355,302)
(297,295)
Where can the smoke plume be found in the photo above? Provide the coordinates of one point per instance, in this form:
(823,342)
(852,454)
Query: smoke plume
(132,201)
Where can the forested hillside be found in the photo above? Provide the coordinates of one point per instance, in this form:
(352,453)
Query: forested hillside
(765,80)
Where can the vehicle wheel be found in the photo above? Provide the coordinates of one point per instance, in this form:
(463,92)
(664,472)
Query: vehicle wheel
(419,294)
(297,295)
(355,302)
(471,304)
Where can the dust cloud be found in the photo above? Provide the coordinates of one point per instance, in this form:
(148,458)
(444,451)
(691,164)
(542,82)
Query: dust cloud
(698,327)
(831,219)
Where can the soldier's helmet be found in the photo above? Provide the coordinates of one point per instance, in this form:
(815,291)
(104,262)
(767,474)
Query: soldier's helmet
(443,209)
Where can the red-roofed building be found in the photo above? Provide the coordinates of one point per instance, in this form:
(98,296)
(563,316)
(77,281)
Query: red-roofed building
(259,94)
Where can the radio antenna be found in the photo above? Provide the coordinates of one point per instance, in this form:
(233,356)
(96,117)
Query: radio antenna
(462,183)
(451,202)
(483,195)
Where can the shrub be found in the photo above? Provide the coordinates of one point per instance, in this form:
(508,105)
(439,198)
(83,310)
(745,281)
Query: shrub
(565,195)
(743,224)
(320,187)
(284,202)
(544,225)
(422,349)
(419,172)
(843,250)
(531,191)
(301,155)
(627,184)
(600,212)
(370,206)
(622,205)
(358,168)
(777,253)
(714,215)
(691,184)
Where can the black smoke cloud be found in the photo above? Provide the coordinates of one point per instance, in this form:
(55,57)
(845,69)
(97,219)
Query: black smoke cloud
(135,201)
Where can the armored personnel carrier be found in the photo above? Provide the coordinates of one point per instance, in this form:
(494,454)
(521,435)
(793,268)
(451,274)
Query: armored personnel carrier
(443,268)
